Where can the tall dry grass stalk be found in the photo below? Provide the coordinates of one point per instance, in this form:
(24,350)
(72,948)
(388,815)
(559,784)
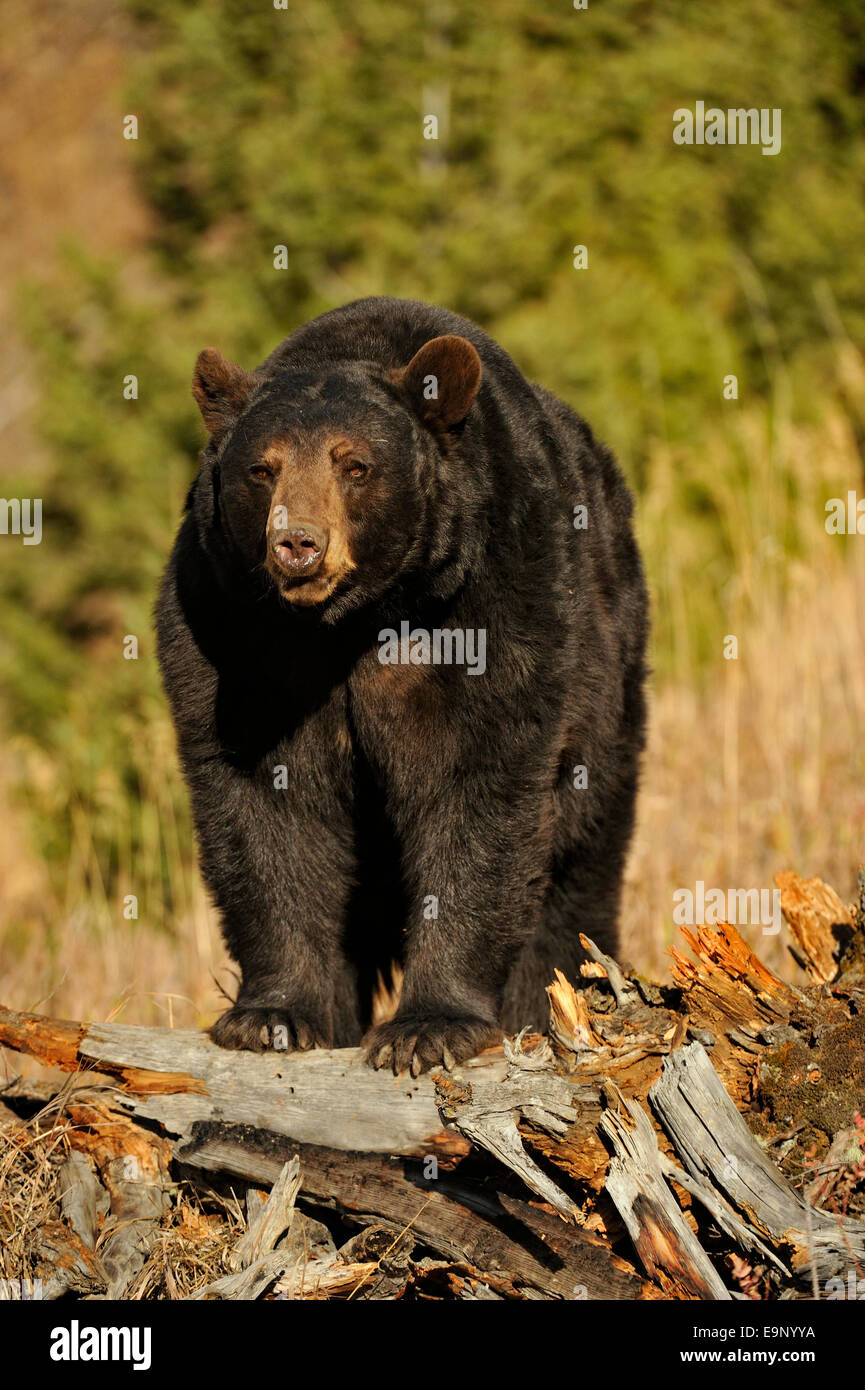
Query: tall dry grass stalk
(755,764)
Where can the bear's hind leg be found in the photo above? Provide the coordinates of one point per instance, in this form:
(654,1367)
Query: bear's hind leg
(583,896)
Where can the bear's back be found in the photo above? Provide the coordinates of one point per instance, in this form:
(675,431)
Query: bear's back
(388,332)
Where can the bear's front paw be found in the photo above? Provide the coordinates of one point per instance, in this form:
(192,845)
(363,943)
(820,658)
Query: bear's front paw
(258,1028)
(416,1042)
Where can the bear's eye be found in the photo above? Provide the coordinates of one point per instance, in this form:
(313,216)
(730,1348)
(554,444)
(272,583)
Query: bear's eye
(260,471)
(356,468)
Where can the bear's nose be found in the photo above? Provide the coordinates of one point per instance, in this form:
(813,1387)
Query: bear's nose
(300,548)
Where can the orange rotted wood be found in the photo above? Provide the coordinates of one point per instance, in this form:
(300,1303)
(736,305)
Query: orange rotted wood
(814,913)
(57,1043)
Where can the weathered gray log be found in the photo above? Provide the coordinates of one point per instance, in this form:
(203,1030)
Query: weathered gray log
(272,1221)
(390,1254)
(179,1077)
(717,1148)
(138,1203)
(248,1114)
(248,1283)
(485,1110)
(636,1182)
(325,1278)
(64,1265)
(82,1196)
(332,1099)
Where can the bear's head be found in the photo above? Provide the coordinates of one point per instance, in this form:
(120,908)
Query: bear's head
(333,483)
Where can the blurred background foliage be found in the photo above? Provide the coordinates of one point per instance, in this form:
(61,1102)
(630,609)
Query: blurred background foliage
(303,127)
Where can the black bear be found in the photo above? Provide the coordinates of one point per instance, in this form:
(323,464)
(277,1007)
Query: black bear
(402,632)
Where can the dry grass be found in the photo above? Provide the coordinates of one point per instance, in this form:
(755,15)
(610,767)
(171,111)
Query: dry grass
(192,1248)
(195,1243)
(28,1192)
(756,765)
(760,772)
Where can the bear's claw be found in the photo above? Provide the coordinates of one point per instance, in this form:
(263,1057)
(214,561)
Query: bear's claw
(415,1043)
(259,1028)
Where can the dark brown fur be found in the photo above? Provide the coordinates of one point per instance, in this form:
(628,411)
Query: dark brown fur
(408,785)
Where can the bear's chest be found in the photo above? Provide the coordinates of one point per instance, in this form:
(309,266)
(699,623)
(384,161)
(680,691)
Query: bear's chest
(398,711)
(401,691)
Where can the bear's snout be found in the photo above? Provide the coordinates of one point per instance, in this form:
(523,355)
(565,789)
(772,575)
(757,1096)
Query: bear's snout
(299,548)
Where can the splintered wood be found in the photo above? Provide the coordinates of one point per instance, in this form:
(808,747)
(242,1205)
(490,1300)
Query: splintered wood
(818,921)
(728,984)
(636,1181)
(512,1176)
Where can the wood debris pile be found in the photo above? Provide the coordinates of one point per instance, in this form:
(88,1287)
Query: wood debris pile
(702,1140)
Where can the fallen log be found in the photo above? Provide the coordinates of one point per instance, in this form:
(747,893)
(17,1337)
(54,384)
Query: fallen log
(483,1225)
(179,1077)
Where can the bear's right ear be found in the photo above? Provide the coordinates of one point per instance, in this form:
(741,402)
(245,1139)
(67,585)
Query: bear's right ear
(222,391)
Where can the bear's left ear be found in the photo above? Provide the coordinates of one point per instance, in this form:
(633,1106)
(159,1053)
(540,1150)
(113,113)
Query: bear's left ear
(222,391)
(442,380)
